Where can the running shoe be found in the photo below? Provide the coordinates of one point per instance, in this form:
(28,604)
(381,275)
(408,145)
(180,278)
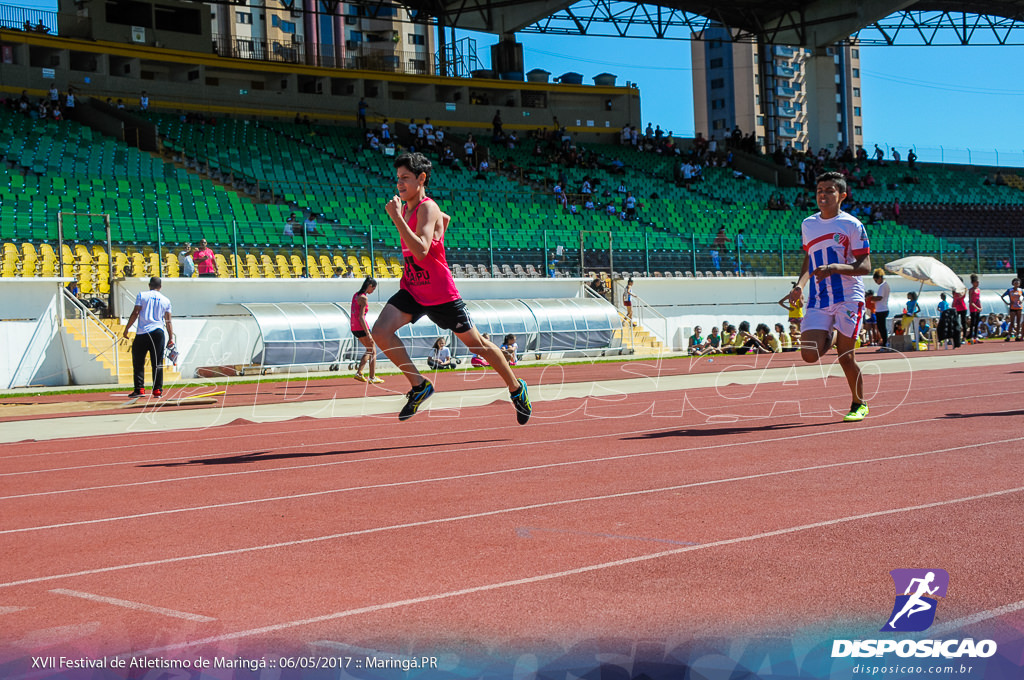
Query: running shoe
(157,393)
(360,377)
(521,400)
(857,413)
(376,381)
(136,394)
(415,398)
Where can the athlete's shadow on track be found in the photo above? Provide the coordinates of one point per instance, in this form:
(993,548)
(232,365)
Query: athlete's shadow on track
(710,430)
(958,416)
(263,456)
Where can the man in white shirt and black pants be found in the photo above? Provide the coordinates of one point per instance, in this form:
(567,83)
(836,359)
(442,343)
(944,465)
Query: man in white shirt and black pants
(153,312)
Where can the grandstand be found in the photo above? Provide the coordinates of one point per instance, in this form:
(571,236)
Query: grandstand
(233,174)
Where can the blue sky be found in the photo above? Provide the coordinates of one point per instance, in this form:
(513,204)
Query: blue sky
(941,100)
(958,104)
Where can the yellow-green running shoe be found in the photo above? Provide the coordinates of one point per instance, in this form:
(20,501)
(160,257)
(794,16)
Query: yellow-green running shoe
(857,413)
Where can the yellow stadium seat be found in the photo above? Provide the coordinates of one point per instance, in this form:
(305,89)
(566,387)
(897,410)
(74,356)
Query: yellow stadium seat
(283,269)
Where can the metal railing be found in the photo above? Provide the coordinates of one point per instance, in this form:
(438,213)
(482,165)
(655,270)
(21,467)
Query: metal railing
(90,319)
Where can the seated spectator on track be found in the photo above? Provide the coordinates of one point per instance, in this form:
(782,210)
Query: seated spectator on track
(713,343)
(510,349)
(696,343)
(785,341)
(478,360)
(440,356)
(794,335)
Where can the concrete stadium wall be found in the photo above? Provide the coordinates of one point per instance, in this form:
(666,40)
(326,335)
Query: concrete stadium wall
(30,324)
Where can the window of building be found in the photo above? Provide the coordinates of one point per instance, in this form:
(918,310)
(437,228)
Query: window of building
(416,39)
(856,92)
(717,104)
(282,25)
(799,146)
(417,65)
(856,73)
(840,108)
(718,124)
(714,44)
(717,83)
(243,17)
(855,54)
(856,110)
(718,62)
(355,36)
(856,130)
(760,120)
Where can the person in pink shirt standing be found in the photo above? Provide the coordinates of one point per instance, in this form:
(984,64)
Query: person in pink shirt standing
(428,289)
(974,307)
(360,331)
(960,307)
(206,266)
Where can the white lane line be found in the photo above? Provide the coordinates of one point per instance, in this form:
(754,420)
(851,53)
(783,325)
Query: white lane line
(138,606)
(567,573)
(561,422)
(493,513)
(976,618)
(347,461)
(297,448)
(434,480)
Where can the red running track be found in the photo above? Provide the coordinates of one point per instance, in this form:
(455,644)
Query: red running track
(742,510)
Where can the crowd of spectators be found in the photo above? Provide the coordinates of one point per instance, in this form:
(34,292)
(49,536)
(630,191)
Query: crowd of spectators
(54,105)
(738,339)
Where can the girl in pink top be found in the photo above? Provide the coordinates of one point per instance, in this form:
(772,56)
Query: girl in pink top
(360,329)
(427,289)
(974,306)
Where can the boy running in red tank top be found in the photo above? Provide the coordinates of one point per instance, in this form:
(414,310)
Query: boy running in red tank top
(428,289)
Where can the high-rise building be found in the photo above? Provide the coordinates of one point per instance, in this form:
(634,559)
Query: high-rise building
(379,37)
(788,96)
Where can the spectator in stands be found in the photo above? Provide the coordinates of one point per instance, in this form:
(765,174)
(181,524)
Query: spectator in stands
(629,205)
(289,225)
(911,159)
(895,156)
(469,152)
(206,265)
(720,242)
(41,27)
(448,157)
(361,113)
(69,100)
(497,130)
(310,224)
(144,102)
(385,131)
(188,267)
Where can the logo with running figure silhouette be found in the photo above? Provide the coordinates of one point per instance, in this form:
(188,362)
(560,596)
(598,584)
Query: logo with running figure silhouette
(917,597)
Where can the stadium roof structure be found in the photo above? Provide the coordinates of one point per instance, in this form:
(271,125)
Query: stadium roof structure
(803,23)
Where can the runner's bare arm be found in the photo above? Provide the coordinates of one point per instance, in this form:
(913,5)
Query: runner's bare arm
(427,215)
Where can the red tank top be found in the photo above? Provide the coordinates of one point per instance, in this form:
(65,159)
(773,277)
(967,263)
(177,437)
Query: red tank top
(355,318)
(429,281)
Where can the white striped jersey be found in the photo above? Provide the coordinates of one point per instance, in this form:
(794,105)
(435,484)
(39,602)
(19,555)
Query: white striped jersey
(840,240)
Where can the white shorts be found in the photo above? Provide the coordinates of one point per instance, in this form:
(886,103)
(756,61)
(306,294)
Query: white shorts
(844,317)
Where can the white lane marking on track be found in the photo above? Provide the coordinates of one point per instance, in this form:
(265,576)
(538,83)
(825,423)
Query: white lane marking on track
(568,572)
(379,440)
(418,454)
(138,606)
(66,451)
(428,480)
(965,621)
(493,513)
